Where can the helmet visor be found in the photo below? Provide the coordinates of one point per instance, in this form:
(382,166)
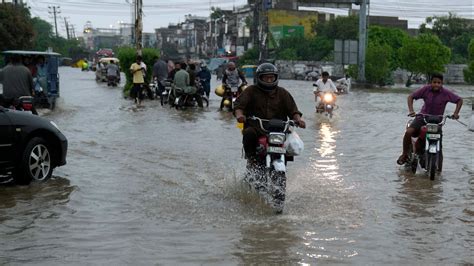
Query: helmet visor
(268,78)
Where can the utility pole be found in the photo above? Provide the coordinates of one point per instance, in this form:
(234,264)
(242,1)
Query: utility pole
(263,51)
(67,27)
(54,12)
(138,25)
(256,22)
(362,38)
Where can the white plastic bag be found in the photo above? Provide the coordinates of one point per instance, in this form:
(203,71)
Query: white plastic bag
(294,145)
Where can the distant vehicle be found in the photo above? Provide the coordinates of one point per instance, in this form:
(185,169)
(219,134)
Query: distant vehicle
(30,146)
(101,69)
(47,87)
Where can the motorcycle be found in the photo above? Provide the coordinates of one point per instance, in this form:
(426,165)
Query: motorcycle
(327,103)
(268,173)
(426,149)
(25,104)
(184,99)
(112,81)
(231,93)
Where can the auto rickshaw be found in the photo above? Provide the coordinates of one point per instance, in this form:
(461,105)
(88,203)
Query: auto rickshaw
(101,68)
(44,68)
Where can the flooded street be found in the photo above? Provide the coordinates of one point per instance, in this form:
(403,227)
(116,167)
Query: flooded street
(159,186)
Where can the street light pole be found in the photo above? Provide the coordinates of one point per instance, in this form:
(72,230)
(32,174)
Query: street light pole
(362,39)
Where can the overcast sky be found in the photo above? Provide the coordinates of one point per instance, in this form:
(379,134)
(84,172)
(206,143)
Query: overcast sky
(160,13)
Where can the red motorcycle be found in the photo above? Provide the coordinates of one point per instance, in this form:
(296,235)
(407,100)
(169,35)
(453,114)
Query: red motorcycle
(268,173)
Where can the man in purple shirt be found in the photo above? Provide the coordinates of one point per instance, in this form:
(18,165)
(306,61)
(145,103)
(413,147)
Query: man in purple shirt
(435,98)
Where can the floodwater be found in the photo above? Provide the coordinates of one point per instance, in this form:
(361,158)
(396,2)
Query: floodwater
(159,186)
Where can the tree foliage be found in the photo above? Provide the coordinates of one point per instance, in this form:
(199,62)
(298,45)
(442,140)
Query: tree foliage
(377,67)
(250,57)
(424,54)
(394,38)
(304,48)
(16,29)
(345,28)
(453,31)
(469,71)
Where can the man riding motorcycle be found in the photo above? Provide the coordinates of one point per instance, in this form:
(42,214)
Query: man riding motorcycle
(182,85)
(322,86)
(265,100)
(435,98)
(231,79)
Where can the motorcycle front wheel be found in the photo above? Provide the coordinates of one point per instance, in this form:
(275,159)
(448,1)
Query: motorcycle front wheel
(279,190)
(432,165)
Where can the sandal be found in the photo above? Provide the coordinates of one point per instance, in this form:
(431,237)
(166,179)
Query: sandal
(402,159)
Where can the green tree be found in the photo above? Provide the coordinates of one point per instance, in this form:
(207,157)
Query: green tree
(453,31)
(307,48)
(16,30)
(424,54)
(345,28)
(377,67)
(43,34)
(469,71)
(250,57)
(391,37)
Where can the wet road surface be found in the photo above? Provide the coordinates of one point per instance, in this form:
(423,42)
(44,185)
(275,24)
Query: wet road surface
(155,185)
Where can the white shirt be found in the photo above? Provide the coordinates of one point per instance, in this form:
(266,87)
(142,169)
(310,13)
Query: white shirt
(324,87)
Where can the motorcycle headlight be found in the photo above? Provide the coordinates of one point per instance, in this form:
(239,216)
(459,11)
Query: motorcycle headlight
(432,128)
(328,97)
(276,138)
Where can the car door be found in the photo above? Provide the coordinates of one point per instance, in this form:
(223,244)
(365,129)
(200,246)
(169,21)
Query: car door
(6,140)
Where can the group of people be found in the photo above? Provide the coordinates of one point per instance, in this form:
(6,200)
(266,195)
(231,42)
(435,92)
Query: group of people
(184,77)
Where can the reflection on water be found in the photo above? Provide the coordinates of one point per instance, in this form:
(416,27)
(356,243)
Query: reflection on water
(22,205)
(267,243)
(326,164)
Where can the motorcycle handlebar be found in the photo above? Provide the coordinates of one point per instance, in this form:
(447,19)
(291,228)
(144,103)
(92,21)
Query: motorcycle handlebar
(424,116)
(288,122)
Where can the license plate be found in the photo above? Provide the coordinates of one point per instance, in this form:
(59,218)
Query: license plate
(273,149)
(434,136)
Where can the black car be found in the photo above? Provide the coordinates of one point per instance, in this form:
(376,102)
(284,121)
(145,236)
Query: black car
(30,146)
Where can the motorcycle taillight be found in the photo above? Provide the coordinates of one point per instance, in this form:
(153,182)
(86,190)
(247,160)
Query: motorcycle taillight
(27,106)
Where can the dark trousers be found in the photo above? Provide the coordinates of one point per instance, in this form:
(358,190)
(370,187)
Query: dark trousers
(136,91)
(250,141)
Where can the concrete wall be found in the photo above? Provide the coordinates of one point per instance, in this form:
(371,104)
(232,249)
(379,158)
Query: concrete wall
(287,68)
(453,74)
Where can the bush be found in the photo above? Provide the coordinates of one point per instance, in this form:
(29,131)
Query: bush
(377,67)
(469,71)
(127,56)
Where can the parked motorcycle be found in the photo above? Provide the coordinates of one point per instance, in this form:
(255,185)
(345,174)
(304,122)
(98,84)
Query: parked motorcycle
(268,173)
(426,149)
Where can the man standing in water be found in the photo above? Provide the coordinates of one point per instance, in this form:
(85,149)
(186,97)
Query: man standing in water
(435,98)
